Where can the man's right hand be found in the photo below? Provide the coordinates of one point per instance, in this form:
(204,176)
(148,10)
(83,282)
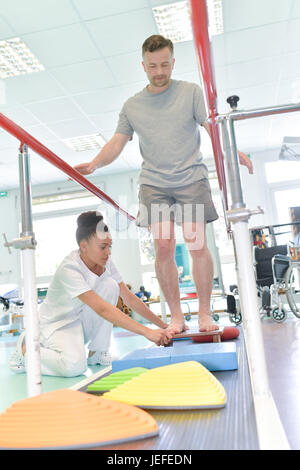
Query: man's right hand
(106,155)
(85,168)
(159,336)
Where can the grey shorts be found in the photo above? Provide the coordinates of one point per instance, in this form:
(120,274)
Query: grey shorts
(191,203)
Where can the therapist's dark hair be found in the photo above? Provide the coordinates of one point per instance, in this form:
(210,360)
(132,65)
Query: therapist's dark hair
(89,224)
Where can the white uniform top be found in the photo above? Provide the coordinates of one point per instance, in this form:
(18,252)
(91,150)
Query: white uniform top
(71,279)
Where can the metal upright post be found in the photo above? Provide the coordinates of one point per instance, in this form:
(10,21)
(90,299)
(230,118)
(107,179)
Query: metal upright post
(234,179)
(270,431)
(27,244)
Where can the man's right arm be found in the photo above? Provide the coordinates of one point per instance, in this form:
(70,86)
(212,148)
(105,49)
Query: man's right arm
(107,154)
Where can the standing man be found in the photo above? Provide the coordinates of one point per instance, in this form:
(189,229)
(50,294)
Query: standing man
(166,116)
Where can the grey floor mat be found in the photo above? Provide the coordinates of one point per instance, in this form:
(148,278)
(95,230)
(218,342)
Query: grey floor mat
(229,428)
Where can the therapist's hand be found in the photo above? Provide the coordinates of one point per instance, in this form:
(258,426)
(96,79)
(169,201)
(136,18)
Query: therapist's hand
(159,337)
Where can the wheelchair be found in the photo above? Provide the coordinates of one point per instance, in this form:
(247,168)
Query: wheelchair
(232,307)
(277,274)
(271,265)
(292,282)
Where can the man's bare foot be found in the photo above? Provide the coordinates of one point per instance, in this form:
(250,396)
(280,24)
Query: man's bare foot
(177,325)
(206,323)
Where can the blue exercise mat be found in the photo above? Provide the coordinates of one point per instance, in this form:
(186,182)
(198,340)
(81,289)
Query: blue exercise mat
(213,356)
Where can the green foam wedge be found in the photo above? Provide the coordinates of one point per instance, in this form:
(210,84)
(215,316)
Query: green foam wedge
(112,381)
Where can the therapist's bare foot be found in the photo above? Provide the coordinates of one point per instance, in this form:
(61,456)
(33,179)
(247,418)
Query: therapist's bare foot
(206,323)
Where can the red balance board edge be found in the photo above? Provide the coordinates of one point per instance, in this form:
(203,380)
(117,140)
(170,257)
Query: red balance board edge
(229,332)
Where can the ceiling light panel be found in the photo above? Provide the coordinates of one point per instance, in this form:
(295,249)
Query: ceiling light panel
(83,143)
(174,20)
(215,17)
(17,59)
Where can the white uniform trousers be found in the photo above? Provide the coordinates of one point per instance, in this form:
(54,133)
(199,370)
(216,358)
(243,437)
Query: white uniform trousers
(63,353)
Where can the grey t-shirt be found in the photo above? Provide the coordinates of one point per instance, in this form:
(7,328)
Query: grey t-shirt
(167,125)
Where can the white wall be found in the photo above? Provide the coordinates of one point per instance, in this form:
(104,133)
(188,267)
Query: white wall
(256,190)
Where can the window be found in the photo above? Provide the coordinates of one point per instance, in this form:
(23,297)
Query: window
(146,247)
(284,199)
(63,202)
(284,186)
(55,225)
(56,238)
(224,244)
(282,171)
(150,283)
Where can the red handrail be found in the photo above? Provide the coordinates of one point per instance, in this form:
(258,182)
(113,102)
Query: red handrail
(48,155)
(202,43)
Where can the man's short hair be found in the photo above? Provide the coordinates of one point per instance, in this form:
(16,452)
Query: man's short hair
(156,42)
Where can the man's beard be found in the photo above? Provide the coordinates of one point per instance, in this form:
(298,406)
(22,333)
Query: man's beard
(160,83)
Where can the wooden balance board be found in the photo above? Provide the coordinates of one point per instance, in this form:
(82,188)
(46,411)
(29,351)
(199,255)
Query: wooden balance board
(226,333)
(195,333)
(229,333)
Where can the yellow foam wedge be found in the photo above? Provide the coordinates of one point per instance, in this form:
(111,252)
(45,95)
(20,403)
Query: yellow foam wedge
(66,419)
(185,385)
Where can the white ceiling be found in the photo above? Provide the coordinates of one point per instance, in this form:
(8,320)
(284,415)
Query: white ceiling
(91,51)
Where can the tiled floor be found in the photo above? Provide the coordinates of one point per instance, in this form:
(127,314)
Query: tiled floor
(13,386)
